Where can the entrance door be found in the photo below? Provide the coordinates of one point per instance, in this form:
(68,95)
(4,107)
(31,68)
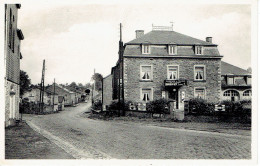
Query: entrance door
(173,94)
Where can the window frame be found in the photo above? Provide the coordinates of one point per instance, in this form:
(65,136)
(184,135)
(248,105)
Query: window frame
(141,73)
(250,80)
(148,48)
(248,94)
(178,71)
(172,51)
(204,72)
(202,50)
(229,92)
(10,28)
(204,88)
(141,94)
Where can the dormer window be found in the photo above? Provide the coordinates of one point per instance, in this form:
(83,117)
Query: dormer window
(172,49)
(146,49)
(198,50)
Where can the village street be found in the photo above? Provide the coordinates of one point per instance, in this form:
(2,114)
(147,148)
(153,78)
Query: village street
(85,138)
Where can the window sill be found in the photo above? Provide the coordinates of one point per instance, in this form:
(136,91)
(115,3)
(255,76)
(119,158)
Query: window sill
(199,80)
(146,80)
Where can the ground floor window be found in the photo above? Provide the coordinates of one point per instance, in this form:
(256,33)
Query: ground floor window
(247,93)
(231,93)
(199,93)
(146,94)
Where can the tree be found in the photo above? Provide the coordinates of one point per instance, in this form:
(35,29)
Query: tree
(25,82)
(249,70)
(80,85)
(97,77)
(73,84)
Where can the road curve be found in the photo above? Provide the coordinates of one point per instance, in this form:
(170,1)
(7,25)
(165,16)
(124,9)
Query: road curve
(85,138)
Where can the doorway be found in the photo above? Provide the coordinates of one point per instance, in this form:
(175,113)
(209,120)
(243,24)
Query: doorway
(173,95)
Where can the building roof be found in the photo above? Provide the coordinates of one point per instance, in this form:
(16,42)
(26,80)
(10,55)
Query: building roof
(228,69)
(168,37)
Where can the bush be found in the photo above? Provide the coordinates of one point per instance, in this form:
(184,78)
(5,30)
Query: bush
(158,106)
(97,105)
(201,107)
(237,108)
(115,105)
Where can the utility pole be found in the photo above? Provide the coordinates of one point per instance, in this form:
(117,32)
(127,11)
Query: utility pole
(42,87)
(93,87)
(53,94)
(121,87)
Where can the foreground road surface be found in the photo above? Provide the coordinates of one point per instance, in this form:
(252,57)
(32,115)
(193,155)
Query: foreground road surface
(86,138)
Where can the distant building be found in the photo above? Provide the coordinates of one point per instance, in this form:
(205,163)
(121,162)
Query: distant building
(12,45)
(33,95)
(235,83)
(69,96)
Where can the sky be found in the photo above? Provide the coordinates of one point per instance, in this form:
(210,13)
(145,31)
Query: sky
(76,38)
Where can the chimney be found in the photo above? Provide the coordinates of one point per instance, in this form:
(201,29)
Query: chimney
(209,39)
(139,33)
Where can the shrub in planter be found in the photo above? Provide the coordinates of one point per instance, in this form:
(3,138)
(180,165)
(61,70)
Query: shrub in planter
(237,108)
(201,107)
(97,105)
(158,106)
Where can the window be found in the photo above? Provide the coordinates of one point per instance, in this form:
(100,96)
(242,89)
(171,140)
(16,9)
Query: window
(199,93)
(198,50)
(230,80)
(10,29)
(249,80)
(172,73)
(199,73)
(13,40)
(146,72)
(247,93)
(146,94)
(146,49)
(172,49)
(231,93)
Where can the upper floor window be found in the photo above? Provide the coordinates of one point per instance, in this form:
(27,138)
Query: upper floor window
(13,40)
(198,50)
(10,29)
(199,73)
(230,80)
(146,49)
(200,93)
(172,49)
(172,73)
(249,79)
(146,72)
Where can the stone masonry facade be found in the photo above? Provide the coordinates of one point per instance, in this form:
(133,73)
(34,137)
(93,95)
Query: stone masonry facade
(133,84)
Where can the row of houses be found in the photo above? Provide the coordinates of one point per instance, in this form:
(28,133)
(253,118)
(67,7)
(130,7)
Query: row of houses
(55,95)
(167,64)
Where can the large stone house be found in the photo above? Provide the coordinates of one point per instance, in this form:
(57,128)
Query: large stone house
(12,56)
(167,64)
(235,83)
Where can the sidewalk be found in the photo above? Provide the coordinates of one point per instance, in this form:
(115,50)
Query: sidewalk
(21,142)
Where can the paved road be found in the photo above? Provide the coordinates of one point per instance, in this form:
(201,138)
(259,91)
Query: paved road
(86,138)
